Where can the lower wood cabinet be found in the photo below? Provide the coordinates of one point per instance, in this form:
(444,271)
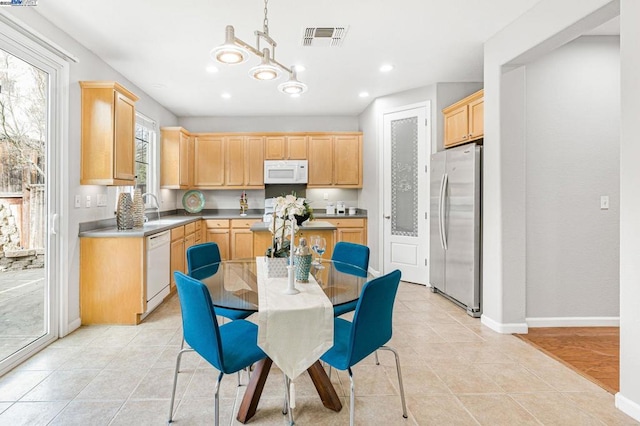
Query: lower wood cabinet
(112,280)
(352,230)
(262,240)
(217,231)
(178,262)
(242,238)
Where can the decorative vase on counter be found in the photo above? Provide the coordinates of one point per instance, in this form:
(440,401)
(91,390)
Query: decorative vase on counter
(138,209)
(302,261)
(124,212)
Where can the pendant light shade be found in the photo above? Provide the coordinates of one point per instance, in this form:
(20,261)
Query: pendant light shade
(266,70)
(230,53)
(292,86)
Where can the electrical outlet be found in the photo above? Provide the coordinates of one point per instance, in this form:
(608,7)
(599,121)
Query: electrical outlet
(101,200)
(77,202)
(326,195)
(87,203)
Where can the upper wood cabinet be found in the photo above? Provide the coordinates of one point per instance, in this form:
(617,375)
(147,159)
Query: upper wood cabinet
(175,158)
(285,147)
(208,161)
(108,119)
(335,160)
(244,166)
(464,120)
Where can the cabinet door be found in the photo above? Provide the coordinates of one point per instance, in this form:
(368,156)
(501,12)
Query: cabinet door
(347,164)
(177,259)
(184,169)
(320,161)
(476,119)
(220,237)
(208,161)
(297,147)
(456,126)
(274,148)
(124,113)
(241,244)
(235,161)
(261,242)
(352,235)
(254,166)
(189,241)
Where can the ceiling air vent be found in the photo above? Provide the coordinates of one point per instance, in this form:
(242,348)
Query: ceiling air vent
(324,36)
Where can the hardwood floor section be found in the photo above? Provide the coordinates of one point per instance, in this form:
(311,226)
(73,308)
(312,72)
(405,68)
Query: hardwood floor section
(593,352)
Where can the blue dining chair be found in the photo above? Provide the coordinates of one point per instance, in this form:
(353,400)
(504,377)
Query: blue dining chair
(352,254)
(229,347)
(370,330)
(202,262)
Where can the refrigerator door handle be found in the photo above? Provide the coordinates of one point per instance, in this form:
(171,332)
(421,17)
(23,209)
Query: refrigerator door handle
(443,194)
(440,212)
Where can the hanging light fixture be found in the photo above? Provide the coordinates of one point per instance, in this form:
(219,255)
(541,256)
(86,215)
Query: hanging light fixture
(292,86)
(236,51)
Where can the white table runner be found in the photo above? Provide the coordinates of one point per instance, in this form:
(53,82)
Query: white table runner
(293,330)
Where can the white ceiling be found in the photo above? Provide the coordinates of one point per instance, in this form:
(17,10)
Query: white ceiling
(163,47)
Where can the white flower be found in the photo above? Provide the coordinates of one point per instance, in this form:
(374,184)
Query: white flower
(288,206)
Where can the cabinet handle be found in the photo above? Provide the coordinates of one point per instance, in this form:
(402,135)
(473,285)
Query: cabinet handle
(470,134)
(464,137)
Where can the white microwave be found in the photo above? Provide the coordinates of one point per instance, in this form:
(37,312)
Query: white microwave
(285,171)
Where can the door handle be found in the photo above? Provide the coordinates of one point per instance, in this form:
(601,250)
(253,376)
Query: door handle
(387,217)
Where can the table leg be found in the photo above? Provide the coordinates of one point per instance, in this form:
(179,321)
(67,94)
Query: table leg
(323,385)
(251,397)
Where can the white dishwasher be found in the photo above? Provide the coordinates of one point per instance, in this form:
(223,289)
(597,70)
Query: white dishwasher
(158,268)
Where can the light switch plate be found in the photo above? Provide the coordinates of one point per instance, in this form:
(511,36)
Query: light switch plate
(604,202)
(101,200)
(77,202)
(88,202)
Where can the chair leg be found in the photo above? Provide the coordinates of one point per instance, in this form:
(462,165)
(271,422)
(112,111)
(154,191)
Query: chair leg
(377,360)
(352,400)
(404,404)
(175,381)
(217,404)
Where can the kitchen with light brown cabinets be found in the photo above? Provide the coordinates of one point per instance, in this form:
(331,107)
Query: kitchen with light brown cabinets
(107,143)
(464,120)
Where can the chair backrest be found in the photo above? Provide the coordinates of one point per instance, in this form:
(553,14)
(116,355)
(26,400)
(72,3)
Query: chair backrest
(373,318)
(351,253)
(203,260)
(199,324)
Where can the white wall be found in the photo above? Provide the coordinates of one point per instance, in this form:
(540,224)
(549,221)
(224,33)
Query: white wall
(89,67)
(572,158)
(629,397)
(545,27)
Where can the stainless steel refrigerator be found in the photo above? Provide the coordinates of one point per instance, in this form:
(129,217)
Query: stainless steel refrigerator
(455,246)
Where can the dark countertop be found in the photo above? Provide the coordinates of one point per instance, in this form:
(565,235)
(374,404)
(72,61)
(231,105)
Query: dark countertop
(171,219)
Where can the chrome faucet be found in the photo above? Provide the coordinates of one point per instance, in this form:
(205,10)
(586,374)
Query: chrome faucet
(156,200)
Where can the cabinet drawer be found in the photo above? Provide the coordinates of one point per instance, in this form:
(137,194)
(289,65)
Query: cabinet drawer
(243,223)
(346,223)
(198,225)
(217,223)
(177,233)
(190,228)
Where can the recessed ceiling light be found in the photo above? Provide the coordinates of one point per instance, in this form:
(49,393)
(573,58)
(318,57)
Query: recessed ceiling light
(226,95)
(364,94)
(386,68)
(295,95)
(212,69)
(300,68)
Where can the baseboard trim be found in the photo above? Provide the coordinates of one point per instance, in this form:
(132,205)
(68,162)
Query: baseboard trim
(73,325)
(519,328)
(574,322)
(627,406)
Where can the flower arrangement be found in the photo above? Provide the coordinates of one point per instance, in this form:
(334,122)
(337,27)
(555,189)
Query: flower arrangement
(288,210)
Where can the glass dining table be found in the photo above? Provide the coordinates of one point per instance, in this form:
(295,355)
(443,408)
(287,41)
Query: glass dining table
(233,284)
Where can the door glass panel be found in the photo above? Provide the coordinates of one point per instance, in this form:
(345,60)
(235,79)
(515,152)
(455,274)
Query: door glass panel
(404,177)
(24,289)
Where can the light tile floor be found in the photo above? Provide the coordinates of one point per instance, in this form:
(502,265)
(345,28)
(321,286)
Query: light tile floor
(456,372)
